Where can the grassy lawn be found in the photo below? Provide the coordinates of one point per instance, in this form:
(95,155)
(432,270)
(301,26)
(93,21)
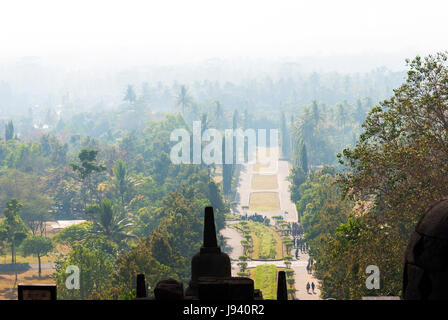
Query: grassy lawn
(264,201)
(264,181)
(267,243)
(8,291)
(265,279)
(6,259)
(51,257)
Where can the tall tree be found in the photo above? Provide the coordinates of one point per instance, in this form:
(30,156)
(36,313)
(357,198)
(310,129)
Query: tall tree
(12,229)
(315,113)
(398,169)
(38,246)
(87,166)
(95,268)
(130,95)
(9,130)
(219,113)
(110,222)
(235,119)
(284,135)
(121,179)
(359,113)
(303,157)
(183,98)
(226,171)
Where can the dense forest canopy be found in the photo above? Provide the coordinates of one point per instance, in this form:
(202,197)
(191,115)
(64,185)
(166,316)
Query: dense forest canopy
(353,143)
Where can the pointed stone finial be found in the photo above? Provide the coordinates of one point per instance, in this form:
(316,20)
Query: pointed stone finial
(282,292)
(141,286)
(209,229)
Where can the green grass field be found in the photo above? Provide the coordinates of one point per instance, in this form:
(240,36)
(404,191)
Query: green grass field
(265,279)
(8,287)
(267,244)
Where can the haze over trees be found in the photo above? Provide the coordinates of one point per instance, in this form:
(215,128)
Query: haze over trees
(363,213)
(105,158)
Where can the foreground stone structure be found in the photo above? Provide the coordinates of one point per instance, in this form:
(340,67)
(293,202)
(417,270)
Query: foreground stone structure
(211,274)
(426,259)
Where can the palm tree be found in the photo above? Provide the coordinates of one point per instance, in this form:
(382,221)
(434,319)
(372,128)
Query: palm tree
(183,98)
(109,222)
(219,113)
(121,181)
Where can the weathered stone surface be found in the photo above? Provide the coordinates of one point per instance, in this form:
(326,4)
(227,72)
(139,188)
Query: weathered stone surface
(426,257)
(141,286)
(241,288)
(233,288)
(209,261)
(169,289)
(210,274)
(282,292)
(434,223)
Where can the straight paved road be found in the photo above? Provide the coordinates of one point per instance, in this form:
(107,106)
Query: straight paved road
(233,246)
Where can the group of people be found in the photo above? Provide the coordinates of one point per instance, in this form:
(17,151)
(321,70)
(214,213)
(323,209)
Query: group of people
(309,267)
(302,247)
(308,287)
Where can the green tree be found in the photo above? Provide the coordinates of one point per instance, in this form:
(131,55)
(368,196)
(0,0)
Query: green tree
(12,229)
(109,222)
(96,268)
(120,179)
(88,165)
(395,172)
(74,233)
(37,246)
(303,157)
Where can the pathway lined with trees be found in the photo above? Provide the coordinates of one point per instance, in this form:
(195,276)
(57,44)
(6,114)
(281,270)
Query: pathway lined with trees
(281,219)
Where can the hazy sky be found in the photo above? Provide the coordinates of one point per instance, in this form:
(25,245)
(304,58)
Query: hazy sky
(166,31)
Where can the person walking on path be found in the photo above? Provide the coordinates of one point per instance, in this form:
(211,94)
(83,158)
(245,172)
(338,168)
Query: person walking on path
(308,287)
(312,286)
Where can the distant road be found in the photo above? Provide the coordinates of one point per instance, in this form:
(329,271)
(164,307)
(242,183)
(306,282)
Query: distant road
(233,246)
(233,238)
(26,266)
(244,190)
